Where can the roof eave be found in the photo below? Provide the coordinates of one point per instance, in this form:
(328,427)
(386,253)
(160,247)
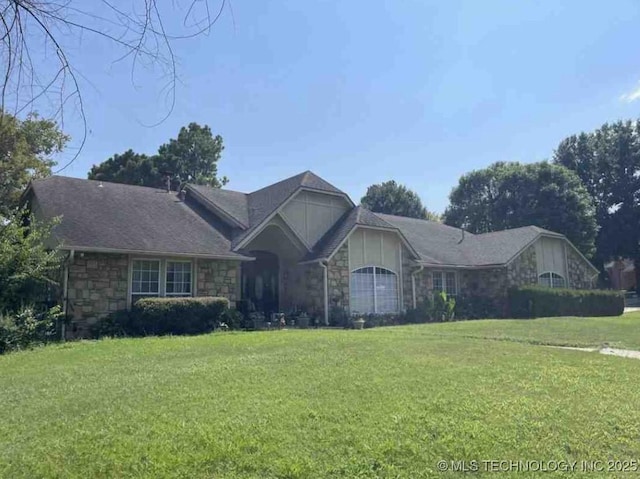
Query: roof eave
(93,249)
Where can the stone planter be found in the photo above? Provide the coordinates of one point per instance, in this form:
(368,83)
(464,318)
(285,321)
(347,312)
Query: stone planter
(358,323)
(303,321)
(258,324)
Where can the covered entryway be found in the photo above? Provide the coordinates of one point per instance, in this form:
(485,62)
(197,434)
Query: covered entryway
(261,282)
(274,282)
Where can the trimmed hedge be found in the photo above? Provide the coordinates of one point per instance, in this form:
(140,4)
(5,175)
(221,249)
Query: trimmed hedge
(538,301)
(160,316)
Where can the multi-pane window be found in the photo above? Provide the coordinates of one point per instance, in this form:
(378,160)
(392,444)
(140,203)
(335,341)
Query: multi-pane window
(145,280)
(373,290)
(445,281)
(155,277)
(178,278)
(552,280)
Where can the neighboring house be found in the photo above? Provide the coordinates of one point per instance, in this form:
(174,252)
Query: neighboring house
(622,274)
(299,244)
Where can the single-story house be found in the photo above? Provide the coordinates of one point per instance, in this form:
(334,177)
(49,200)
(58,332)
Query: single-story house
(299,244)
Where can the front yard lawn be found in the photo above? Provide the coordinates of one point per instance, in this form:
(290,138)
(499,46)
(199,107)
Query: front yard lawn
(386,402)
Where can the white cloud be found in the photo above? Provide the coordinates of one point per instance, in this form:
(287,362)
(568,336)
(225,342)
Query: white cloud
(631,96)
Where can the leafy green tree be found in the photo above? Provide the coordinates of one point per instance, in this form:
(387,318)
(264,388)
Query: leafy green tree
(191,157)
(26,150)
(29,263)
(394,199)
(608,162)
(130,168)
(510,195)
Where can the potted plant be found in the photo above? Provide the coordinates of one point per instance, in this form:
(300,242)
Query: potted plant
(358,323)
(257,320)
(303,320)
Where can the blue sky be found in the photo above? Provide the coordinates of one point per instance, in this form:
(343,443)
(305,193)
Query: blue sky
(363,92)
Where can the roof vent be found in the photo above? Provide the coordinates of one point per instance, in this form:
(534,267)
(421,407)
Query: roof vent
(167,178)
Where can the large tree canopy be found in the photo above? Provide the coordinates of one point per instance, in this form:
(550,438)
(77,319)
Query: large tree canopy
(608,162)
(510,195)
(27,262)
(394,199)
(191,157)
(26,150)
(130,168)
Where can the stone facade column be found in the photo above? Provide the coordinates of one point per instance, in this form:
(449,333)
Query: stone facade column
(97,285)
(338,276)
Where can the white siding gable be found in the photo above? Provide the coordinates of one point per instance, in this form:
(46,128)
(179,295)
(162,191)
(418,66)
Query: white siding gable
(368,247)
(550,255)
(312,214)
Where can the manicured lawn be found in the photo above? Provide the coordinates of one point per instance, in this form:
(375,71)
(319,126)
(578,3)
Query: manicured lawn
(387,402)
(617,332)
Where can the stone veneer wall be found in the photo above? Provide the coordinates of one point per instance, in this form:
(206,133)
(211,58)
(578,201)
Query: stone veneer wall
(424,285)
(580,273)
(408,267)
(219,278)
(98,284)
(495,282)
(314,286)
(524,269)
(338,278)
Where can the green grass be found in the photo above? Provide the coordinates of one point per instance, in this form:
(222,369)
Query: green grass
(387,402)
(618,332)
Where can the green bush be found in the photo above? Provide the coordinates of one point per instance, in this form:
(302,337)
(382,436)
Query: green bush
(160,316)
(372,320)
(475,306)
(538,301)
(118,324)
(437,307)
(28,327)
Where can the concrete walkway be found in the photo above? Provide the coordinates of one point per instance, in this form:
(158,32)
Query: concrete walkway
(622,353)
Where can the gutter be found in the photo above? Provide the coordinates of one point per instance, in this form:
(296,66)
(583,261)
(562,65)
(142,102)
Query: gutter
(89,249)
(413,284)
(324,265)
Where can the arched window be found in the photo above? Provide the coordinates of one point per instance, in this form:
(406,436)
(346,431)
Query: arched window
(552,280)
(373,290)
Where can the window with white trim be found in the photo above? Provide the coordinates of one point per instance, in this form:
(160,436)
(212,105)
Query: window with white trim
(373,290)
(178,278)
(446,281)
(552,280)
(145,279)
(160,277)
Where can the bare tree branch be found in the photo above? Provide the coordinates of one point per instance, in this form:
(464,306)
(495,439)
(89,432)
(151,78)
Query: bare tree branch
(35,35)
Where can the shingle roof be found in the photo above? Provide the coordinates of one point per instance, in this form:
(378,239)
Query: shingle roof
(441,244)
(234,203)
(113,216)
(253,208)
(435,242)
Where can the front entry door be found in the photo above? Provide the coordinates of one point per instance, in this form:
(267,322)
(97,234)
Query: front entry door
(260,281)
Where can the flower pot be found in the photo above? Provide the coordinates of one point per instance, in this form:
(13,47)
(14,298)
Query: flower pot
(303,321)
(358,323)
